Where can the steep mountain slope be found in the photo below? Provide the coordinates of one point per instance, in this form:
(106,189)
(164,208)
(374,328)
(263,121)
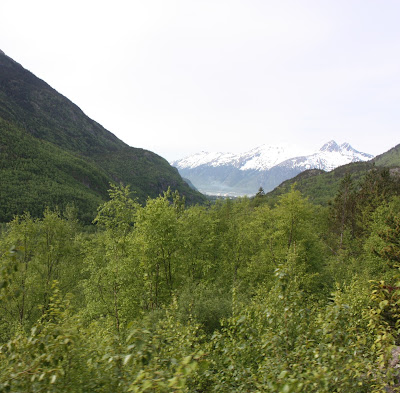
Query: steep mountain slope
(38,115)
(36,173)
(264,166)
(389,159)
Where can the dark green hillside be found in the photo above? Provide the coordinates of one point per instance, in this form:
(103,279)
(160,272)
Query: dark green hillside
(36,174)
(389,159)
(52,153)
(319,186)
(44,113)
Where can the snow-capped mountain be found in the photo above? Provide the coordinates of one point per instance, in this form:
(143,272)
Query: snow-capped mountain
(264,166)
(260,158)
(329,157)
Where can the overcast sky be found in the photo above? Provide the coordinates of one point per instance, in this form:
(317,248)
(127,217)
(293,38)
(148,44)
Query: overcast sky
(181,76)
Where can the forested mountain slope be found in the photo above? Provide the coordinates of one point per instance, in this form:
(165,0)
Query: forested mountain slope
(389,159)
(73,151)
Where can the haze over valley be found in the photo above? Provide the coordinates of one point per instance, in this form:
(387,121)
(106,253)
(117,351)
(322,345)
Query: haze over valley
(266,166)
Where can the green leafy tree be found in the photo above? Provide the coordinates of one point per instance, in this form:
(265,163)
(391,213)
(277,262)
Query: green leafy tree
(232,253)
(198,236)
(51,357)
(157,242)
(298,231)
(47,252)
(113,274)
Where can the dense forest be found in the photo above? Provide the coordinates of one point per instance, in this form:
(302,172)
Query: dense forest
(235,296)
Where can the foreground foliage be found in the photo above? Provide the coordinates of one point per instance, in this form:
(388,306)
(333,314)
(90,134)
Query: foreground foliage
(238,296)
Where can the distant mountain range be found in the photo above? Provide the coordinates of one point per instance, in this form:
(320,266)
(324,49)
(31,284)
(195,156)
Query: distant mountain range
(265,166)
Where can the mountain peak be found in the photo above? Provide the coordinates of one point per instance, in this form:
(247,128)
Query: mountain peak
(346,147)
(265,165)
(330,146)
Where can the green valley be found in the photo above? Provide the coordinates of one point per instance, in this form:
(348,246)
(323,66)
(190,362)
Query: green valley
(115,276)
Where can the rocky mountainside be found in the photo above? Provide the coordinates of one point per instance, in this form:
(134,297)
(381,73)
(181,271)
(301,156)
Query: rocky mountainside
(52,154)
(265,166)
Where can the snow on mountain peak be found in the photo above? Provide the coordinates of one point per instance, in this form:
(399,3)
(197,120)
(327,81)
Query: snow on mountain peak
(203,158)
(330,146)
(329,157)
(346,146)
(260,158)
(265,157)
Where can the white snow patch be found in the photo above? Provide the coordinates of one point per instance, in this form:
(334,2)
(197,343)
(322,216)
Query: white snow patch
(264,157)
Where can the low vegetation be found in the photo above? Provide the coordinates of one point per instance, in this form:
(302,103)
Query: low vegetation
(238,296)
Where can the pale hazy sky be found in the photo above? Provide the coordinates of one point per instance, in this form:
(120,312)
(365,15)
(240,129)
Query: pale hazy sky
(181,76)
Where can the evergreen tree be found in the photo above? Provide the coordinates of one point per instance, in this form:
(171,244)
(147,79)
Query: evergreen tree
(343,213)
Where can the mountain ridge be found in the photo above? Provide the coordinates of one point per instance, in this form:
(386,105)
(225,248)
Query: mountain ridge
(39,115)
(265,166)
